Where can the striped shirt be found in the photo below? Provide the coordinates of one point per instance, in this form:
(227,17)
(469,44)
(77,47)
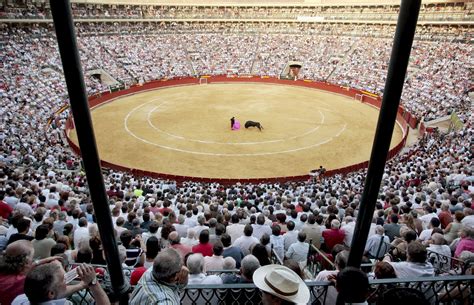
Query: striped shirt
(149,291)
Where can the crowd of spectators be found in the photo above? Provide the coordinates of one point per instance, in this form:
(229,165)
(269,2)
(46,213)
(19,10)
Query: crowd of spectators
(425,203)
(86,11)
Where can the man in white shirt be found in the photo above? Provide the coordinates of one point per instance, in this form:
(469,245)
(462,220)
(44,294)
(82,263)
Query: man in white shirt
(468,220)
(216,261)
(235,230)
(299,251)
(348,229)
(291,236)
(246,241)
(425,235)
(81,233)
(180,227)
(260,227)
(195,264)
(377,244)
(416,265)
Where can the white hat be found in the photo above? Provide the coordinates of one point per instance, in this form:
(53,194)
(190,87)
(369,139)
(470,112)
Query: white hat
(281,282)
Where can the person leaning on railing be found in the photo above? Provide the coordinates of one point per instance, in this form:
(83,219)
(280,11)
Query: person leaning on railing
(46,284)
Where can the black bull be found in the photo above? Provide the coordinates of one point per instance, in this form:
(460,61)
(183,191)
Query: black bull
(253,124)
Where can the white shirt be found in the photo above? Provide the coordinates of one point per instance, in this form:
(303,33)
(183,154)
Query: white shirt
(468,221)
(373,245)
(290,238)
(245,243)
(235,230)
(213,263)
(299,252)
(80,234)
(409,269)
(349,233)
(278,245)
(203,279)
(425,234)
(259,230)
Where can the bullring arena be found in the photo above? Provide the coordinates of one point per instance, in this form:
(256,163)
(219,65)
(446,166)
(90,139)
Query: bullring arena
(183,129)
(178,188)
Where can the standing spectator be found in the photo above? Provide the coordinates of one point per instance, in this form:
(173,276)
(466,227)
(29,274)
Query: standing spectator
(162,283)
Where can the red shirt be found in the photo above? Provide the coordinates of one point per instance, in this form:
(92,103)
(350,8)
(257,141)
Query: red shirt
(5,210)
(445,218)
(11,286)
(333,237)
(204,249)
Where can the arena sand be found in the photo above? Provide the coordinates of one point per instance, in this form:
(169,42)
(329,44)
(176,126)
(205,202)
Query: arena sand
(185,130)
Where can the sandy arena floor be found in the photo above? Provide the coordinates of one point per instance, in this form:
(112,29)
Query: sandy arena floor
(185,130)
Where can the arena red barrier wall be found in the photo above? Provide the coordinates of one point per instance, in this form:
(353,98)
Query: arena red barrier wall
(404,118)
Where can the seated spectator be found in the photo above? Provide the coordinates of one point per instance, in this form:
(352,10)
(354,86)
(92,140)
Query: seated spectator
(197,275)
(451,232)
(163,283)
(280,285)
(216,261)
(333,236)
(23,227)
(190,239)
(46,283)
(441,262)
(231,276)
(378,244)
(231,251)
(42,243)
(178,246)
(416,264)
(135,248)
(299,250)
(277,242)
(396,296)
(466,243)
(261,253)
(352,285)
(152,250)
(204,247)
(246,241)
(392,229)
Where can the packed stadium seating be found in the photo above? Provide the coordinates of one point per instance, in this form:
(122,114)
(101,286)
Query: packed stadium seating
(41,179)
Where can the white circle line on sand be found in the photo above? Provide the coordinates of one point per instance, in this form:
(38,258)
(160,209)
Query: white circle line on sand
(231,143)
(220,154)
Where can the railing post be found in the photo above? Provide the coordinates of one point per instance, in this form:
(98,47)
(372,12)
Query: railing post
(403,41)
(62,17)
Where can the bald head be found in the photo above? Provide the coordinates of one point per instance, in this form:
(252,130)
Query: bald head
(174,238)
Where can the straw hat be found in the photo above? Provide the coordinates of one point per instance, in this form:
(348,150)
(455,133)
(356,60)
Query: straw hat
(281,282)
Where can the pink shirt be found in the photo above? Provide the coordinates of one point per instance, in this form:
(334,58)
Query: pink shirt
(465,244)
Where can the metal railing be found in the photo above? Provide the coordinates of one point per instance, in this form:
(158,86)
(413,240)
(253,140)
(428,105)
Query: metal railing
(437,290)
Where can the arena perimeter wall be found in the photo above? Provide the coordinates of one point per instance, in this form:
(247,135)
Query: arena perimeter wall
(404,118)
